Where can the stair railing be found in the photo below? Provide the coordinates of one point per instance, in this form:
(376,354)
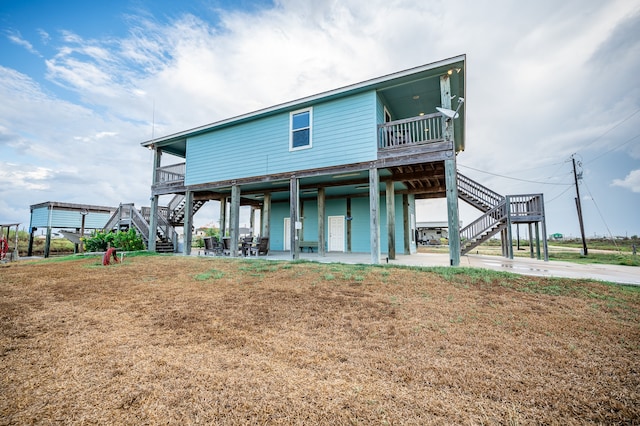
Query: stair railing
(486,223)
(526,207)
(113,220)
(140,224)
(175,202)
(478,195)
(165,229)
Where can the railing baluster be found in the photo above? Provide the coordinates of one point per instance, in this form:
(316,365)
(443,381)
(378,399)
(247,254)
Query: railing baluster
(411,131)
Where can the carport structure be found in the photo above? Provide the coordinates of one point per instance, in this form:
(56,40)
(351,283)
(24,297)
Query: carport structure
(58,215)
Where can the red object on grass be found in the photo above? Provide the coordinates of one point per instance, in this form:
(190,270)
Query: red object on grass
(106,259)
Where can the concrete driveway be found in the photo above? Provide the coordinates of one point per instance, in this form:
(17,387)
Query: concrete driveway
(525,266)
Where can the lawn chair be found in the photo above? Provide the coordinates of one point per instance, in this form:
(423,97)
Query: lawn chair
(212,246)
(247,245)
(261,248)
(226,248)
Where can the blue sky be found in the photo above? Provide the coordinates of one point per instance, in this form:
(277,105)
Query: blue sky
(83,83)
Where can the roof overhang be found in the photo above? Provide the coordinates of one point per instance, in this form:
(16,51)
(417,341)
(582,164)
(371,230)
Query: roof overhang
(176,143)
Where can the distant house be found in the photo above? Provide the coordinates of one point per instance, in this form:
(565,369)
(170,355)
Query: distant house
(339,171)
(431,232)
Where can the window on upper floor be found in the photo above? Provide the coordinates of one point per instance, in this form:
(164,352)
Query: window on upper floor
(300,126)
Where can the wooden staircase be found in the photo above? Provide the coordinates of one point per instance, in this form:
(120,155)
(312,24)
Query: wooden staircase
(164,247)
(177,209)
(499,212)
(127,216)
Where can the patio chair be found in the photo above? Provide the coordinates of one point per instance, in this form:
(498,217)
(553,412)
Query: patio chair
(261,248)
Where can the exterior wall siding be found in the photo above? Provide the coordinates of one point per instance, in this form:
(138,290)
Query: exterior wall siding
(40,217)
(261,147)
(61,218)
(360,213)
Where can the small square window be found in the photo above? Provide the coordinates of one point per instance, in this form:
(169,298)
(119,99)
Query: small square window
(300,129)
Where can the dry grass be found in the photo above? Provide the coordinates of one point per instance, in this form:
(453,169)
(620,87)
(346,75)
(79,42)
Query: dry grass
(174,340)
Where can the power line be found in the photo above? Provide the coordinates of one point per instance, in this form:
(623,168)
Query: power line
(611,128)
(601,216)
(558,196)
(512,178)
(614,148)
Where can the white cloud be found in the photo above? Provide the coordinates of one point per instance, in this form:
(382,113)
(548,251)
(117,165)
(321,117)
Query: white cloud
(44,36)
(16,38)
(631,181)
(23,178)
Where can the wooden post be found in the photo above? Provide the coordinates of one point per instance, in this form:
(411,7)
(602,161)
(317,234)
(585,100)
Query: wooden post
(451,175)
(265,216)
(223,217)
(390,195)
(406,222)
(531,240)
(509,230)
(252,220)
(153,214)
(16,252)
(83,213)
(321,225)
(32,230)
(188,222)
(374,207)
(294,217)
(153,224)
(452,210)
(234,219)
(47,243)
(349,224)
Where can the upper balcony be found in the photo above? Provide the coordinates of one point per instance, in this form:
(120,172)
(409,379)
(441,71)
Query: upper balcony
(170,177)
(411,136)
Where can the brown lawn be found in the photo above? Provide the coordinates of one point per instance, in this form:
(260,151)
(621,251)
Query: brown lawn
(174,340)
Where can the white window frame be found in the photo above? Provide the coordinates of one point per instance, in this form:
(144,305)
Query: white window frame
(291,114)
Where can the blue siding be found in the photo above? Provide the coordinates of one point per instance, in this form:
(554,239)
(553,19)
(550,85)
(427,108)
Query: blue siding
(310,220)
(67,219)
(276,233)
(344,132)
(360,231)
(360,213)
(379,110)
(40,217)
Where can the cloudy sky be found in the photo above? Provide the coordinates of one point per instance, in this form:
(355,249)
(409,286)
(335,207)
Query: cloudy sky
(83,83)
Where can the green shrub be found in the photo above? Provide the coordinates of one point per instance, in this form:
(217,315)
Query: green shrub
(124,240)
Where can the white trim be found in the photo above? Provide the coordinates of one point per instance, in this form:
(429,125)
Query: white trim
(291,114)
(386,114)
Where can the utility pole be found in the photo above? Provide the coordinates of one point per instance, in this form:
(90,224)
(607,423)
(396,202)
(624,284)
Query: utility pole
(579,207)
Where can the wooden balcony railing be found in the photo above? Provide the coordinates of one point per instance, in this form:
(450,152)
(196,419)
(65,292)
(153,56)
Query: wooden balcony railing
(411,131)
(170,174)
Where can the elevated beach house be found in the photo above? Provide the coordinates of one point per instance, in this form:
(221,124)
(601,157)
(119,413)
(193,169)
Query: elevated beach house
(339,171)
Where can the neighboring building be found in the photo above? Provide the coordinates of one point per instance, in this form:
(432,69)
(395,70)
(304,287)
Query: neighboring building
(432,232)
(57,215)
(339,171)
